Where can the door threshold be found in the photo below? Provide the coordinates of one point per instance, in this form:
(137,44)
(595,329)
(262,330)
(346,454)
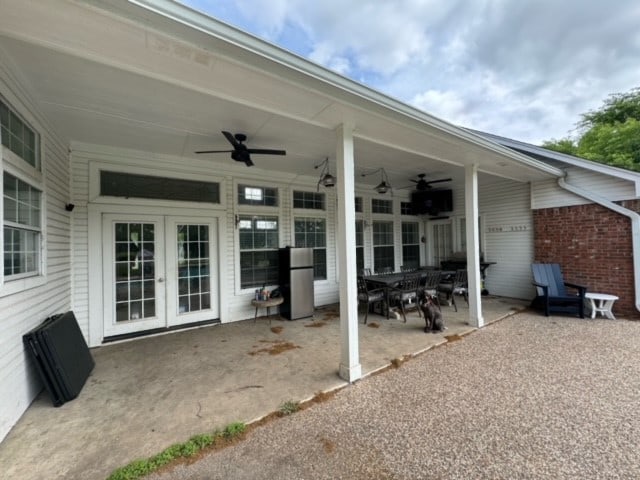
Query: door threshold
(156,331)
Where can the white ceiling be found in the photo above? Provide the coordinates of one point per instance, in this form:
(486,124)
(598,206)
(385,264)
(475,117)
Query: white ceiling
(105,80)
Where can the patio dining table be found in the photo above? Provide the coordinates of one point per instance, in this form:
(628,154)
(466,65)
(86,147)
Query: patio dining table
(386,282)
(389,281)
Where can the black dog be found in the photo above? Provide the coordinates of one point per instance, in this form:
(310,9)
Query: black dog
(432,315)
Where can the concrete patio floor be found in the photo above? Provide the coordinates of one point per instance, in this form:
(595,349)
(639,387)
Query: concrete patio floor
(147,394)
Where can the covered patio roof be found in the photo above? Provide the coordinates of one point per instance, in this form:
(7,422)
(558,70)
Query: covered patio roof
(158,77)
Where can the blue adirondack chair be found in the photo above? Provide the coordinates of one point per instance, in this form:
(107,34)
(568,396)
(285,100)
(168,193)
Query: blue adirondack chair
(552,294)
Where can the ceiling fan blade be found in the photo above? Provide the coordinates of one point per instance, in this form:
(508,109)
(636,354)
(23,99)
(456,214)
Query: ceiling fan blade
(266,151)
(232,140)
(438,181)
(248,161)
(214,151)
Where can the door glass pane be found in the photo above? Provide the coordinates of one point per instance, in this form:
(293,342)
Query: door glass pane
(193,268)
(134,249)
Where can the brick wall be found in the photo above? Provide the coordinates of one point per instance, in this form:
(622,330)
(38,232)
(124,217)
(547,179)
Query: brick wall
(593,247)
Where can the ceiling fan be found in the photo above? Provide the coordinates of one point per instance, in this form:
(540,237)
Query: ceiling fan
(240,152)
(422,184)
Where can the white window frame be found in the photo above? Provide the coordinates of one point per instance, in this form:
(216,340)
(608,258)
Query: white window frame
(257,210)
(311,213)
(325,248)
(417,244)
(34,176)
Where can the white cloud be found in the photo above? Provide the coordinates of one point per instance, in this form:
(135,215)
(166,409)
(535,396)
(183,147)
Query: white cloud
(521,69)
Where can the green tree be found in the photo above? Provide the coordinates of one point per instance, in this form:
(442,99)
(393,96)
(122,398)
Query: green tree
(616,144)
(610,134)
(564,145)
(617,108)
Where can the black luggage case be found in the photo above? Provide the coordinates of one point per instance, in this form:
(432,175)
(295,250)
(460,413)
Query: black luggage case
(62,356)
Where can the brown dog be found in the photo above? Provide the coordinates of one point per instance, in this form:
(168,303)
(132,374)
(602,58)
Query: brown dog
(432,315)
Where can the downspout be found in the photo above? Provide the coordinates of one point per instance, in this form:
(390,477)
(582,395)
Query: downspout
(635,227)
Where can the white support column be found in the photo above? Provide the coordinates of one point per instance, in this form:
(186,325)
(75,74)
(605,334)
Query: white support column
(473,245)
(350,368)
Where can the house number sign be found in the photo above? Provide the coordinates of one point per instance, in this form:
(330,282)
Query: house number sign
(508,228)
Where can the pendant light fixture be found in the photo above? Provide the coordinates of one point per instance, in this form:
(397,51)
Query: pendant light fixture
(384,186)
(326,179)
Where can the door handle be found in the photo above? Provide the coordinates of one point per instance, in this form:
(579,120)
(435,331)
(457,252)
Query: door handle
(160,280)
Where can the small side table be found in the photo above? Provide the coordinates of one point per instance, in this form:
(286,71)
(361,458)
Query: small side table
(602,303)
(272,302)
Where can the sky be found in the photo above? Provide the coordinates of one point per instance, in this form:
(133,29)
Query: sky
(522,69)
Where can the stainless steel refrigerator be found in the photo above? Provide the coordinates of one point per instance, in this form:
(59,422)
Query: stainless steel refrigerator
(296,282)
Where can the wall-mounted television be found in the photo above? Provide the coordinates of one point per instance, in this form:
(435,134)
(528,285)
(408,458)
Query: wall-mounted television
(431,202)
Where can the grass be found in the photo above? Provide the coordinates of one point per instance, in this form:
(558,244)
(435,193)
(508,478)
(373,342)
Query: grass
(289,407)
(186,450)
(199,444)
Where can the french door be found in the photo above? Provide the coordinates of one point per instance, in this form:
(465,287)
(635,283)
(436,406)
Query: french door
(158,272)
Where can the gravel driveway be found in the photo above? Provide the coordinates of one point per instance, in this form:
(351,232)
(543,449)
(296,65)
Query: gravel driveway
(528,397)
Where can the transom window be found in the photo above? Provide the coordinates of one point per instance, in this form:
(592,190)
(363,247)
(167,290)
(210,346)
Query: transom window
(310,200)
(383,252)
(252,195)
(410,244)
(379,205)
(312,233)
(406,208)
(259,241)
(22,230)
(129,185)
(19,137)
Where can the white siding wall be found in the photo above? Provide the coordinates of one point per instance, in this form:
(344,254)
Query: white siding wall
(508,234)
(238,305)
(20,312)
(548,194)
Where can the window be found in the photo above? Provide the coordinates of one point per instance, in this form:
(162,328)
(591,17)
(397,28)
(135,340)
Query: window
(383,255)
(410,244)
(21,224)
(22,200)
(359,245)
(381,206)
(259,241)
(312,233)
(18,137)
(118,184)
(250,195)
(310,200)
(406,208)
(358,203)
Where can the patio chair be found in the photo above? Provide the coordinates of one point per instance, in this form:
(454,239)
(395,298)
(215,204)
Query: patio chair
(365,272)
(552,295)
(429,284)
(456,286)
(406,292)
(369,297)
(407,268)
(384,271)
